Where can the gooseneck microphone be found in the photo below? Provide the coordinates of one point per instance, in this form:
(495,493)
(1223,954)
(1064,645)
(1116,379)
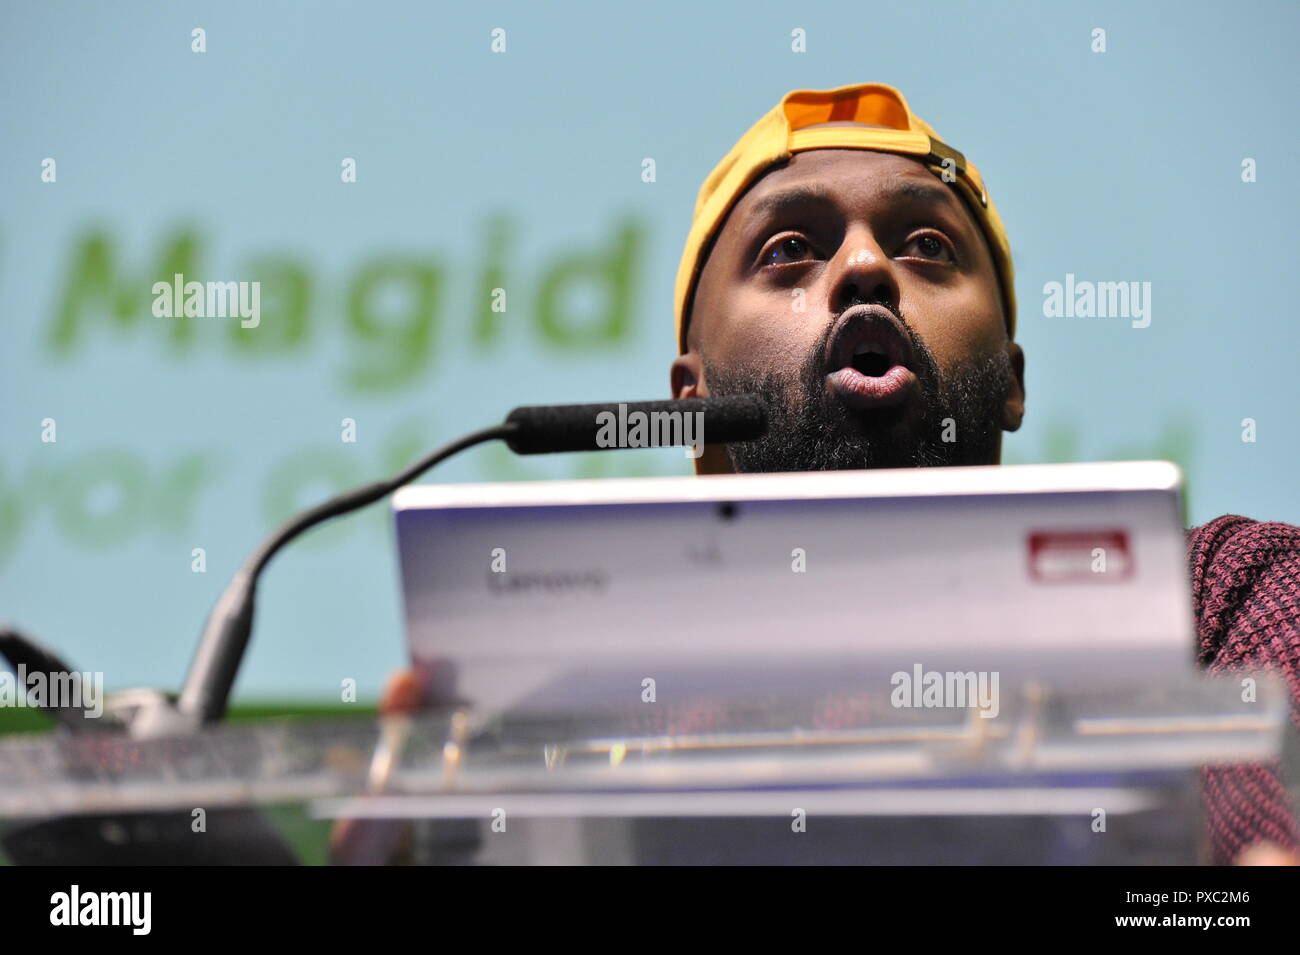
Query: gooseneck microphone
(539,429)
(230,624)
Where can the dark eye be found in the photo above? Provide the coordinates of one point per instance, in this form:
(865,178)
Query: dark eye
(930,246)
(792,246)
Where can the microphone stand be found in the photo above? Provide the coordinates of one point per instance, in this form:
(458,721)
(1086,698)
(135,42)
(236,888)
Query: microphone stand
(527,430)
(204,695)
(149,713)
(212,673)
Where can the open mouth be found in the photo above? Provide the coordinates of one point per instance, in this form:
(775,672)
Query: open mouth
(869,358)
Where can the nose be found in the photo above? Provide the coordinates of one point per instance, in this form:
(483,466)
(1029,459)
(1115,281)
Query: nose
(861,273)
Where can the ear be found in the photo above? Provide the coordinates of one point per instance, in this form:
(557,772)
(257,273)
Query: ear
(1013,411)
(686,379)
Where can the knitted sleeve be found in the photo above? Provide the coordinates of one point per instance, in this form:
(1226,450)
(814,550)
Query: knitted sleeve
(1246,591)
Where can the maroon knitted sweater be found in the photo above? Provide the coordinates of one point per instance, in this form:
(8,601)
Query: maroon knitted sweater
(1246,592)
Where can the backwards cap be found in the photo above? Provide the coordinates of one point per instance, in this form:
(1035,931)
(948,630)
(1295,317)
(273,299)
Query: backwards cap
(783,132)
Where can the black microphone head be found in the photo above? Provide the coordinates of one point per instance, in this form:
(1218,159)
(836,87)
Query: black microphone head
(542,429)
(734,418)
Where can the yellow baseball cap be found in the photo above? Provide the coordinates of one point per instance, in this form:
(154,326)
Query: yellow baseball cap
(783,132)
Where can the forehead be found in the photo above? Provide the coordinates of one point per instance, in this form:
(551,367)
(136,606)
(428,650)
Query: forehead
(851,177)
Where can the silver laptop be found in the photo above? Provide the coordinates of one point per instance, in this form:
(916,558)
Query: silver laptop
(564,597)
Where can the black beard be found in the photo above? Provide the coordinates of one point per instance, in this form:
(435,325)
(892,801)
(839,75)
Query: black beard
(809,429)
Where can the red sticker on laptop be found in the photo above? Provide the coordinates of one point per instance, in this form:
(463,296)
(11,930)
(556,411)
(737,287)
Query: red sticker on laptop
(1075,556)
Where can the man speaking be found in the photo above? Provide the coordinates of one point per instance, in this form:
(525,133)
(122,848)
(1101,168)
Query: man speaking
(849,266)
